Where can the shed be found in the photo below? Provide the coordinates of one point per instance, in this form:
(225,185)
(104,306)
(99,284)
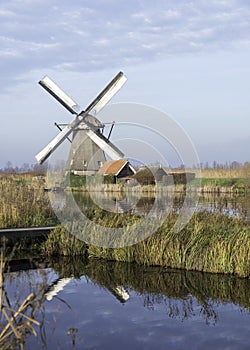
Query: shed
(159,174)
(119,168)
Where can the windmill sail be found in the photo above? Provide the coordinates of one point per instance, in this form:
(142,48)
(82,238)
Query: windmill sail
(100,101)
(107,93)
(59,94)
(52,146)
(106,145)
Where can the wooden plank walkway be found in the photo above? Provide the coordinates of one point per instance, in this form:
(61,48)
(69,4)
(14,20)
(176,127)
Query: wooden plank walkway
(25,232)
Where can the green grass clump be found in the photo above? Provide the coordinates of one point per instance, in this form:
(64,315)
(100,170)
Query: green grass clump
(226,185)
(209,242)
(61,242)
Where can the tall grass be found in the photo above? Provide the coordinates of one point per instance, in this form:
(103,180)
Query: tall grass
(243,172)
(210,242)
(60,242)
(23,202)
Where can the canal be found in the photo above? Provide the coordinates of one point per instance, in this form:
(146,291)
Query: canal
(96,304)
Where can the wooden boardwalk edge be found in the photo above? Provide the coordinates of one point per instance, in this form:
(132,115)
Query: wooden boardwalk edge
(28,232)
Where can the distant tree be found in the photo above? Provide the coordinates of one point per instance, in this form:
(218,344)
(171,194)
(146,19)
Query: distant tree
(246,165)
(40,169)
(25,168)
(206,165)
(9,168)
(235,165)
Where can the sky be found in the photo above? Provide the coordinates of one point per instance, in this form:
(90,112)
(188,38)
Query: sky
(189,59)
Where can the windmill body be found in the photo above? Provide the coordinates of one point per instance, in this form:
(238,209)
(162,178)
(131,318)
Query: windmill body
(85,157)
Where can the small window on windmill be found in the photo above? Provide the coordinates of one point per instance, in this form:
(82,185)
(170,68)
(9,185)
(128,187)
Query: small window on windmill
(85,164)
(100,163)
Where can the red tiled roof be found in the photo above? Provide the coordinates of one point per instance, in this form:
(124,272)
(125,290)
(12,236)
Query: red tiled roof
(112,167)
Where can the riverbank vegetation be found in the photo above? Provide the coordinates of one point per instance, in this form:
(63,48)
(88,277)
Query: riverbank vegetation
(209,242)
(145,183)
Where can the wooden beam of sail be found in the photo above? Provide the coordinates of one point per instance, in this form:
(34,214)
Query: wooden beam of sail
(59,95)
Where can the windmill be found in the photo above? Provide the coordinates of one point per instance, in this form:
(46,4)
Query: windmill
(89,145)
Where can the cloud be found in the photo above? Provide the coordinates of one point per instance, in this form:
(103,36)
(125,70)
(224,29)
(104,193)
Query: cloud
(63,35)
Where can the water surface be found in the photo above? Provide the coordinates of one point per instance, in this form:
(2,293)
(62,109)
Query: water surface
(142,203)
(109,305)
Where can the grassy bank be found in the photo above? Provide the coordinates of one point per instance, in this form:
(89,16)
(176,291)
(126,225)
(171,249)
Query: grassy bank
(210,242)
(223,185)
(213,182)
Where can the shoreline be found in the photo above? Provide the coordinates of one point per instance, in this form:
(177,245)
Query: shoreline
(213,243)
(210,242)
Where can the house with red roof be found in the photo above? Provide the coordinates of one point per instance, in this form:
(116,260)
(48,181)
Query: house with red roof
(119,168)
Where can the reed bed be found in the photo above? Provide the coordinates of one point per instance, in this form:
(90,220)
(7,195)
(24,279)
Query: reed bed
(60,242)
(210,242)
(23,202)
(243,172)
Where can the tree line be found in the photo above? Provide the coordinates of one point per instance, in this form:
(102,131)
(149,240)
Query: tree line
(36,169)
(234,165)
(9,168)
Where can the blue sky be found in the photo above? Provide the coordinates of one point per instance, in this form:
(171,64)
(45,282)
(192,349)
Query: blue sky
(189,59)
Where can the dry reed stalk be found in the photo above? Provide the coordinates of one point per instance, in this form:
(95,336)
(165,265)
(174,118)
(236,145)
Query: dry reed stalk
(25,316)
(20,310)
(223,173)
(11,325)
(14,323)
